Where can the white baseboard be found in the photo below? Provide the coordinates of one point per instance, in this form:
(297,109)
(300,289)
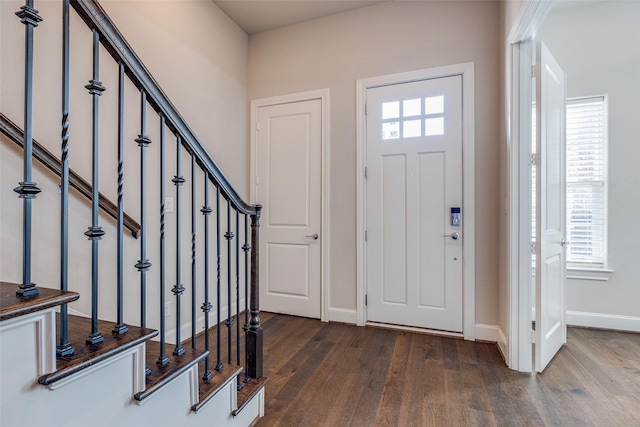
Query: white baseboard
(503,344)
(486,332)
(342,315)
(74,312)
(603,321)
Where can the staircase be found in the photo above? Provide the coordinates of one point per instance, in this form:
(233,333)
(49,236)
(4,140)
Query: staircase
(149,316)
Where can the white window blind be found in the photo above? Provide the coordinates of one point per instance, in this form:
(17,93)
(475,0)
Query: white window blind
(586,156)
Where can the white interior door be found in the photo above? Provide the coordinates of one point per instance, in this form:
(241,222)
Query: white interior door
(551,327)
(288,178)
(414,181)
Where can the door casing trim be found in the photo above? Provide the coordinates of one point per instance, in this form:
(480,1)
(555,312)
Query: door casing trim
(323,96)
(518,65)
(466,70)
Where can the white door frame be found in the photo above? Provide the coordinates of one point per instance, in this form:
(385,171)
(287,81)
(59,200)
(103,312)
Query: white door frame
(466,70)
(323,96)
(519,62)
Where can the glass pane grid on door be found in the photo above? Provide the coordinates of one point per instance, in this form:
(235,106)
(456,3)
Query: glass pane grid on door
(413,118)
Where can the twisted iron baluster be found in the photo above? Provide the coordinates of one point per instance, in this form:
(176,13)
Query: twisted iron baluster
(64,348)
(120,327)
(218,284)
(143,263)
(193,252)
(162,357)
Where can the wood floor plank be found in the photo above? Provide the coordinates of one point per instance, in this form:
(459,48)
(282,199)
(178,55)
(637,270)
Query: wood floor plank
(325,374)
(564,386)
(538,395)
(319,377)
(343,410)
(517,388)
(412,397)
(450,353)
(433,382)
(304,364)
(394,386)
(474,394)
(597,383)
(499,393)
(371,394)
(618,372)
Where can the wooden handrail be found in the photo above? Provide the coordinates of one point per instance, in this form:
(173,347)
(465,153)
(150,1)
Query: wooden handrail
(51,162)
(96,18)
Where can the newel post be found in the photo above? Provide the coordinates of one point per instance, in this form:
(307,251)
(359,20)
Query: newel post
(254,331)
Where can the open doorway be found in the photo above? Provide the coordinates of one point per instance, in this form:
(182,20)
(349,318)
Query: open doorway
(591,40)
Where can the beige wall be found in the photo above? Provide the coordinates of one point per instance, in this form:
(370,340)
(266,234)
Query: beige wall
(388,38)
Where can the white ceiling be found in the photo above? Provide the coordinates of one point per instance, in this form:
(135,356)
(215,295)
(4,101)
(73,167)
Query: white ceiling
(254,16)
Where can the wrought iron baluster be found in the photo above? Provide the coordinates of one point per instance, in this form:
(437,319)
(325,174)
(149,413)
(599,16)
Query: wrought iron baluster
(178,289)
(206,306)
(254,332)
(120,327)
(64,348)
(162,357)
(229,236)
(193,252)
(143,263)
(95,232)
(27,189)
(218,285)
(239,385)
(246,248)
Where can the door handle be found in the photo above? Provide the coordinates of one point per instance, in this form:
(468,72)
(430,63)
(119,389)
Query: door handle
(455,235)
(564,242)
(313,236)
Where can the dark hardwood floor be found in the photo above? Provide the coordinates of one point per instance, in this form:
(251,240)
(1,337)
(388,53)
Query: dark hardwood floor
(328,374)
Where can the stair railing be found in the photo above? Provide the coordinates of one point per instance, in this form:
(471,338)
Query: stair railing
(242,216)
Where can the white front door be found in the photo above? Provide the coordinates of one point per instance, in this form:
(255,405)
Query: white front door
(551,327)
(288,178)
(414,184)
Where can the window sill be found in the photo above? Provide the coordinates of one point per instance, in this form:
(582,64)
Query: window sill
(582,273)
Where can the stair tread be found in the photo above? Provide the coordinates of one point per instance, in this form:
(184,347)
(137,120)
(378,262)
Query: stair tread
(12,305)
(86,355)
(209,388)
(249,390)
(162,375)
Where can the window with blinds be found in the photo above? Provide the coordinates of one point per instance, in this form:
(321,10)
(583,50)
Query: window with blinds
(586,156)
(586,169)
